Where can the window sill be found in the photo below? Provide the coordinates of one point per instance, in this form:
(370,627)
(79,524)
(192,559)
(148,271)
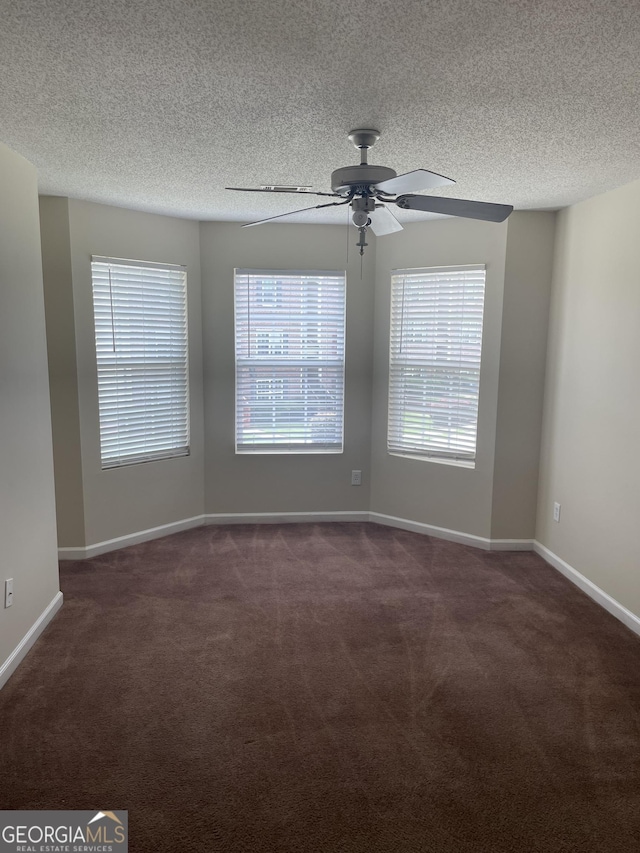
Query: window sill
(288,451)
(456,463)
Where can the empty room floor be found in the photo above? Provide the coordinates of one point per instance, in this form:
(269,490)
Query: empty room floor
(329,687)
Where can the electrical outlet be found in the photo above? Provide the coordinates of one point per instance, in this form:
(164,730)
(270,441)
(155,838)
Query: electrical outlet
(8,592)
(356,478)
(556,511)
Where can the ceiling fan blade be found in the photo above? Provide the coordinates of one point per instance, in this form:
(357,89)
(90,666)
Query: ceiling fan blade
(293,212)
(455,207)
(383,222)
(279,190)
(412,182)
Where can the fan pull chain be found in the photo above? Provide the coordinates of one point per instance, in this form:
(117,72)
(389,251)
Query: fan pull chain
(362,243)
(348,223)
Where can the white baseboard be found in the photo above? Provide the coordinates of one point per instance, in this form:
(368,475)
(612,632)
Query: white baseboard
(453,535)
(89,551)
(19,653)
(284,517)
(510,544)
(598,595)
(84,553)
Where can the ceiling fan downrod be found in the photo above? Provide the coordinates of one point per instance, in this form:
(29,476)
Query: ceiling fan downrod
(364,140)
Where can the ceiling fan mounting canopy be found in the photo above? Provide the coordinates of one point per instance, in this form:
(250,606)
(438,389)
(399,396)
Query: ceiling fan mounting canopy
(364,138)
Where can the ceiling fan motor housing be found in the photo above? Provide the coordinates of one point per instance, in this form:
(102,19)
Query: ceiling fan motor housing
(359,179)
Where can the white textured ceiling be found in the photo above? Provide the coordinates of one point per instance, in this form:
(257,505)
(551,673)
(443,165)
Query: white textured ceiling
(159,105)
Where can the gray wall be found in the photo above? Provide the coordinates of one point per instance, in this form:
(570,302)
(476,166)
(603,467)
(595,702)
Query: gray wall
(27,503)
(297,483)
(435,493)
(590,462)
(63,373)
(497,498)
(117,501)
(523,351)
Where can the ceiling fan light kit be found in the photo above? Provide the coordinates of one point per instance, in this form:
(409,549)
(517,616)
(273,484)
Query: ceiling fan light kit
(368,189)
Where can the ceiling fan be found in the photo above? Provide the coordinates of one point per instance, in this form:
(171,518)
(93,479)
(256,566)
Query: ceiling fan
(369,189)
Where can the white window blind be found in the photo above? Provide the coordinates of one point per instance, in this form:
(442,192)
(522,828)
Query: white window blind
(434,370)
(140,313)
(290,329)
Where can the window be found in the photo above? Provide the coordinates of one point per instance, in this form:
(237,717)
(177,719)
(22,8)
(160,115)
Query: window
(140,313)
(289,361)
(434,369)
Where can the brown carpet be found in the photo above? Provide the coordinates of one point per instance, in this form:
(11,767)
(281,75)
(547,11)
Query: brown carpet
(336,687)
